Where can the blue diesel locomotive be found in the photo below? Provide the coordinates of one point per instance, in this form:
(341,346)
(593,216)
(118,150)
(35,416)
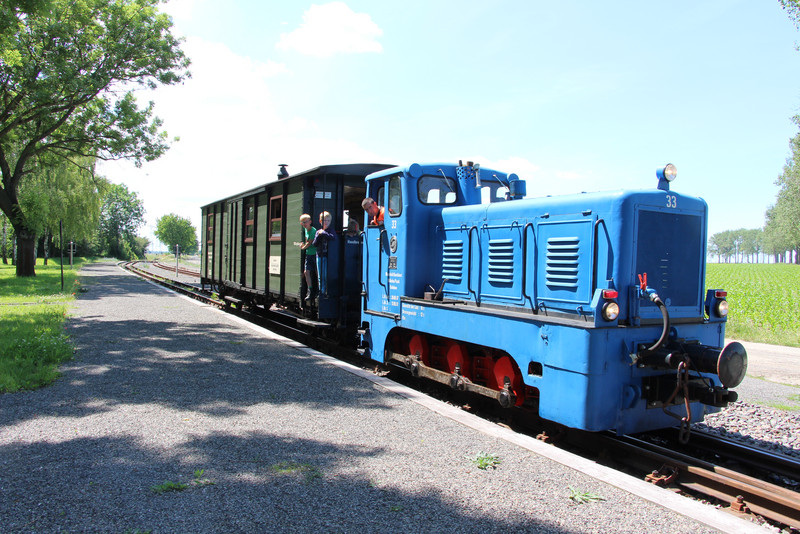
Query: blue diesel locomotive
(590,307)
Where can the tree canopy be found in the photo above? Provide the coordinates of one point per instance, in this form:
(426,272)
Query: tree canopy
(67,71)
(176,230)
(783,218)
(121,216)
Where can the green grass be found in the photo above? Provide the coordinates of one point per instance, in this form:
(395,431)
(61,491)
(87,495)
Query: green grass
(583,497)
(32,315)
(308,471)
(168,486)
(764,301)
(486,461)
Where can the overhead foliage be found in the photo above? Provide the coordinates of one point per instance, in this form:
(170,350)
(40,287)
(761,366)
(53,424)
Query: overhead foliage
(174,230)
(792,8)
(67,69)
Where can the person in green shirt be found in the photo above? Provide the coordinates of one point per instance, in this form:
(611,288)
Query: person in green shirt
(310,262)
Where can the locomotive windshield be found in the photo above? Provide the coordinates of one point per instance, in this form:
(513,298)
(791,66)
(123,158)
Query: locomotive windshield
(433,189)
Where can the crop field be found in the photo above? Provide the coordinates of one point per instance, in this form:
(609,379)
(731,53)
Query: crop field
(764,301)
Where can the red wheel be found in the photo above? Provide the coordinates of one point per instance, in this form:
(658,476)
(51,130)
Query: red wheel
(418,346)
(504,368)
(456,355)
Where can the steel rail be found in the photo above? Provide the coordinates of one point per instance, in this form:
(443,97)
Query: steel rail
(181,270)
(742,492)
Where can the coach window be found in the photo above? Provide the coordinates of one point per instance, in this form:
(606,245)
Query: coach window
(250,219)
(275,218)
(436,190)
(210,228)
(395,196)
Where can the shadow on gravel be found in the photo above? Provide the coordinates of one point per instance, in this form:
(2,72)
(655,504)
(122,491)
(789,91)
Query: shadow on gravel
(217,372)
(158,397)
(259,483)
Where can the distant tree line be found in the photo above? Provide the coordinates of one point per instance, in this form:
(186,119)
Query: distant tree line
(750,246)
(98,218)
(780,237)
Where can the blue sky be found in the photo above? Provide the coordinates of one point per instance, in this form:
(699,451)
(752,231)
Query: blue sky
(571,95)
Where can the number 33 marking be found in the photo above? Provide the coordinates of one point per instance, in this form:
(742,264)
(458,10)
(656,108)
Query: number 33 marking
(672,201)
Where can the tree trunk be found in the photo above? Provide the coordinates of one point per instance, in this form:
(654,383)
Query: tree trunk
(26,252)
(46,245)
(5,259)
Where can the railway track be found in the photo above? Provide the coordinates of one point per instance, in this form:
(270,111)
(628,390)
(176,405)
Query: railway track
(738,477)
(181,270)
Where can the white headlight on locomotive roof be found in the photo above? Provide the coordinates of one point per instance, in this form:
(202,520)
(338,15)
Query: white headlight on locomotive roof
(722,308)
(668,173)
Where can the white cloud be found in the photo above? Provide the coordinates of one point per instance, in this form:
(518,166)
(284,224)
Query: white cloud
(179,9)
(232,135)
(331,29)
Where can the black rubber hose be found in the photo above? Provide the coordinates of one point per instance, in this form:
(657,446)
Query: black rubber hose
(665,331)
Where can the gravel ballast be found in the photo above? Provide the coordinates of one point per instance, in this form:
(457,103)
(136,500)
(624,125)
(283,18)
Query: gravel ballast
(266,438)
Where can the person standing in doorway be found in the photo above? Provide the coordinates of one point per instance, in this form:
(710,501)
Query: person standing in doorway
(310,262)
(321,241)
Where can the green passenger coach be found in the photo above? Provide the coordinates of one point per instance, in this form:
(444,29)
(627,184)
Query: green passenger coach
(251,241)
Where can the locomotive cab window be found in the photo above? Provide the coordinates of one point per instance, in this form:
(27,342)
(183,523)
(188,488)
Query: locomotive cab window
(275,218)
(493,192)
(395,196)
(436,190)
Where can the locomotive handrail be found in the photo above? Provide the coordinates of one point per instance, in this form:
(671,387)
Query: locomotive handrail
(469,261)
(380,258)
(525,266)
(484,226)
(364,284)
(595,252)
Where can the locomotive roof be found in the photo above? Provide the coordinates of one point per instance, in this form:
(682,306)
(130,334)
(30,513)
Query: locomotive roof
(344,168)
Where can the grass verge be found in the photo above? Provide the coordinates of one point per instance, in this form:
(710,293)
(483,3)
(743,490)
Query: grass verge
(32,314)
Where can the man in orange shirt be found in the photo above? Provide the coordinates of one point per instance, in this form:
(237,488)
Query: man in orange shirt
(373,210)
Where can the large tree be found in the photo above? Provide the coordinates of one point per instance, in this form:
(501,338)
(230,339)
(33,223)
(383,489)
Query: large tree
(783,218)
(60,195)
(121,216)
(67,69)
(174,230)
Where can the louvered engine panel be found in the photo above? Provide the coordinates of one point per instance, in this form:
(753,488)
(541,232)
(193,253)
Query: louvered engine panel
(453,260)
(564,264)
(501,261)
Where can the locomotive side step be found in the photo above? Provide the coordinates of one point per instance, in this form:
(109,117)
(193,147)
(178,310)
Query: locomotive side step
(311,322)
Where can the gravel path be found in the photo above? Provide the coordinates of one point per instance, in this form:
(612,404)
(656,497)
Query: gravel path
(162,388)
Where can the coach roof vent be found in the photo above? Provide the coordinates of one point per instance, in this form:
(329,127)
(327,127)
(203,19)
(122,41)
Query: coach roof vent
(283,173)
